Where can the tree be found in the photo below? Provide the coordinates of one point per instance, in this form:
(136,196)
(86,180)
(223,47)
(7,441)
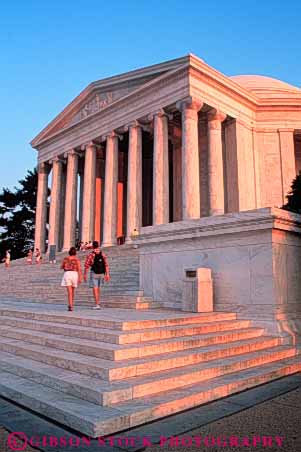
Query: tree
(17,216)
(294,197)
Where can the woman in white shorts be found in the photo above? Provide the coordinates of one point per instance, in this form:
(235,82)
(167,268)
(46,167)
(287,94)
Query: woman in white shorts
(72,275)
(7,259)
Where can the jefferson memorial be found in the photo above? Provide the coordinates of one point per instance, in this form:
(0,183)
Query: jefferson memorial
(189,166)
(181,173)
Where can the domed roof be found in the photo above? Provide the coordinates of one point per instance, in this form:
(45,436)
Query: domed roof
(266,86)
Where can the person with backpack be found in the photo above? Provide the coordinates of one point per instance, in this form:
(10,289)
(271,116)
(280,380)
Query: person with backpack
(99,271)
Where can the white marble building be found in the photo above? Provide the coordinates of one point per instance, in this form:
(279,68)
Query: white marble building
(199,164)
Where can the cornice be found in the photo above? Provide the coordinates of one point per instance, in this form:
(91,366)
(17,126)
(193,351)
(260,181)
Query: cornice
(190,66)
(221,81)
(200,69)
(254,220)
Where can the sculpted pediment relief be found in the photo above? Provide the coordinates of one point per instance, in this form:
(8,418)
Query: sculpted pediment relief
(96,103)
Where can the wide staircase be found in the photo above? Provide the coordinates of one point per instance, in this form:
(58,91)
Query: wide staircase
(41,283)
(101,372)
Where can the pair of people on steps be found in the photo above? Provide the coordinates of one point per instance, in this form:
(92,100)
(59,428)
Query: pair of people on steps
(97,262)
(31,255)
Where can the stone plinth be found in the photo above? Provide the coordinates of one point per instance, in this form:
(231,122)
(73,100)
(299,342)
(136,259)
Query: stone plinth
(197,290)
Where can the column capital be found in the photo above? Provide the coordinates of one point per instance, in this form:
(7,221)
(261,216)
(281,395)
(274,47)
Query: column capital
(90,144)
(133,124)
(160,113)
(215,117)
(43,168)
(286,129)
(189,103)
(57,159)
(112,134)
(72,152)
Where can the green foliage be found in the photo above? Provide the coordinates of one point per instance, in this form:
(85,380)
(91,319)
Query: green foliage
(294,197)
(17,216)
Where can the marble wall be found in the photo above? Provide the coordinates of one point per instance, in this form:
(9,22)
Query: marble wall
(255,266)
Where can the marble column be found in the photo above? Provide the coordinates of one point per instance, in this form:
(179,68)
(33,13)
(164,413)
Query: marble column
(81,196)
(215,163)
(55,200)
(41,208)
(288,160)
(177,174)
(62,204)
(70,200)
(110,196)
(190,158)
(134,188)
(88,212)
(160,170)
(98,189)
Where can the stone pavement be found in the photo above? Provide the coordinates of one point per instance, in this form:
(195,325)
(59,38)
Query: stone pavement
(277,417)
(269,410)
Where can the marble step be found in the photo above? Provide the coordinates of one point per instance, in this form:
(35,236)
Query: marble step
(89,302)
(107,300)
(131,305)
(126,296)
(117,277)
(122,269)
(107,321)
(32,271)
(124,337)
(106,393)
(83,290)
(121,273)
(94,420)
(55,288)
(118,370)
(116,352)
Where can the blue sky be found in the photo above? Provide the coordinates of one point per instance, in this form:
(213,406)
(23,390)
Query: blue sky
(50,50)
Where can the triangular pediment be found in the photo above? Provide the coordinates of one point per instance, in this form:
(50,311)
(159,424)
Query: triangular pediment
(97,100)
(98,95)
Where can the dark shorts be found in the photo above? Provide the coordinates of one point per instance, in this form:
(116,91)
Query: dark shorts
(96,280)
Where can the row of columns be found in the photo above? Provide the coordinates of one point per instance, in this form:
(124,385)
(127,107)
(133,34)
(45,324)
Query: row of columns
(190,180)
